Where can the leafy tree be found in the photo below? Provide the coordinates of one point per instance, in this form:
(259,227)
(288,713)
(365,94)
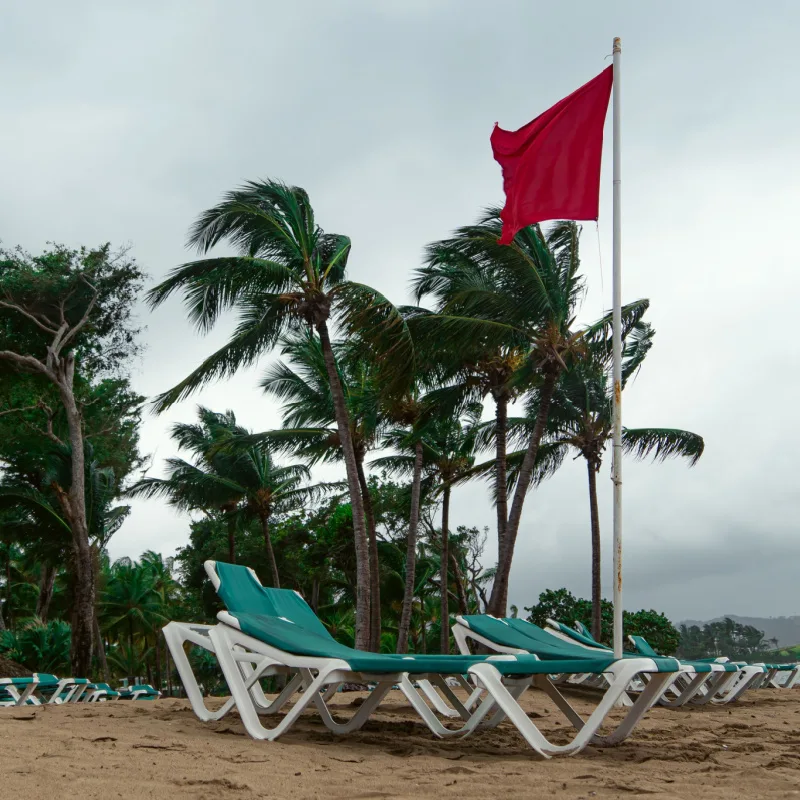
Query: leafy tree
(289,275)
(723,638)
(62,314)
(41,647)
(561,605)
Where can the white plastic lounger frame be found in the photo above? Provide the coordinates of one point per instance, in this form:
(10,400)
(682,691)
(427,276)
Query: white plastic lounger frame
(33,696)
(439,694)
(17,697)
(233,646)
(690,688)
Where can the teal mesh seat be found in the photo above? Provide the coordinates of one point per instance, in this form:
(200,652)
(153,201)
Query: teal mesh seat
(241,592)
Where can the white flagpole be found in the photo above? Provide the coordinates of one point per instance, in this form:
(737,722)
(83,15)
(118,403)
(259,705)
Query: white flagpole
(616,341)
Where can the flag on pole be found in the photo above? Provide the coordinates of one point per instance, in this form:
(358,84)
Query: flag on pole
(551,166)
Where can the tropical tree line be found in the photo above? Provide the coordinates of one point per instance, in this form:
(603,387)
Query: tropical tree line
(358,375)
(384,389)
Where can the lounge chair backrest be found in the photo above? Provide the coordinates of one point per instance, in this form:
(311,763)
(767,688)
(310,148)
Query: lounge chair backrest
(523,635)
(582,629)
(580,637)
(642,646)
(241,592)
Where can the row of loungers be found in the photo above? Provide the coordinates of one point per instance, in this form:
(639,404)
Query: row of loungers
(44,689)
(266,632)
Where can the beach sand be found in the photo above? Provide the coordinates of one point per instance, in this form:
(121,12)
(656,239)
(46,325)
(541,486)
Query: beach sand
(161,750)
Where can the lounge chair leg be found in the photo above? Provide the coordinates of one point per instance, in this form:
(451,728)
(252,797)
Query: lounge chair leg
(456,708)
(241,694)
(175,635)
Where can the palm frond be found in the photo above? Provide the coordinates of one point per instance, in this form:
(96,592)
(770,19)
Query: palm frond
(663,443)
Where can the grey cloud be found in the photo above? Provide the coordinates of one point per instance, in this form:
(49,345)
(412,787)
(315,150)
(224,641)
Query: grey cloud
(123,122)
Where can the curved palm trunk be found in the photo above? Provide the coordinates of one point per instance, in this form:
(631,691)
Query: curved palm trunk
(501,479)
(8,583)
(596,587)
(458,577)
(168,670)
(374,565)
(499,598)
(46,586)
(231,540)
(273,564)
(101,650)
(443,574)
(348,452)
(411,553)
(156,637)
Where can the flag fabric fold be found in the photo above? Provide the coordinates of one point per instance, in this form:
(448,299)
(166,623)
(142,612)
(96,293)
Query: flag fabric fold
(551,166)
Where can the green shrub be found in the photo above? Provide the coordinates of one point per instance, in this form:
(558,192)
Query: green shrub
(561,605)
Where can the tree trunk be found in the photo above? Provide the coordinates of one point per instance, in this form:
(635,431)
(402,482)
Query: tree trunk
(374,565)
(411,553)
(348,452)
(315,594)
(499,597)
(101,650)
(8,586)
(47,584)
(501,466)
(273,564)
(444,572)
(597,595)
(75,498)
(147,665)
(231,540)
(169,671)
(157,637)
(463,608)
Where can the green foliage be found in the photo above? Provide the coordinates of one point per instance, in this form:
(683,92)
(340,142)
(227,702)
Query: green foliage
(39,647)
(562,606)
(723,638)
(63,281)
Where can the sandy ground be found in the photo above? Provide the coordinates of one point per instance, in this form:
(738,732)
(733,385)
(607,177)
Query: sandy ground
(161,750)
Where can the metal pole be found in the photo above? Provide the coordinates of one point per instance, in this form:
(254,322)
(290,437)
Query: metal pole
(616,466)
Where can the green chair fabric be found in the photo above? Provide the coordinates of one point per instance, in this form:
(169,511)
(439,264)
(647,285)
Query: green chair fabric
(240,591)
(523,635)
(292,638)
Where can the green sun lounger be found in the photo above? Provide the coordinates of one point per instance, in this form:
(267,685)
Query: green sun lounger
(265,631)
(140,691)
(732,680)
(99,692)
(517,635)
(42,688)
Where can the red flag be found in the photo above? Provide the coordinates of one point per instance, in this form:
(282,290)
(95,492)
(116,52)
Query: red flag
(551,166)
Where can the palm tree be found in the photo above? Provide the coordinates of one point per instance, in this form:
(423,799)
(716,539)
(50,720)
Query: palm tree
(201,485)
(448,448)
(240,480)
(288,275)
(166,587)
(310,429)
(581,420)
(131,606)
(517,305)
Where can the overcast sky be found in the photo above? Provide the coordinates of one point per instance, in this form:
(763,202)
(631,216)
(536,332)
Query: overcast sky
(122,121)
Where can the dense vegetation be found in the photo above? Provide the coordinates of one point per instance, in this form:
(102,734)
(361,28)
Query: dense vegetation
(396,394)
